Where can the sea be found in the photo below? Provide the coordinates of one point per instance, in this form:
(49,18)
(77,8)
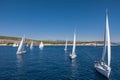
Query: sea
(53,63)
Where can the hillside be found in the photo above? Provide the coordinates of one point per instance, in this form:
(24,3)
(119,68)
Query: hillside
(7,40)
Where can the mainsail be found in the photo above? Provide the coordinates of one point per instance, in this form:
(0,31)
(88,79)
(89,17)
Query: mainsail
(65,46)
(41,45)
(74,44)
(107,44)
(21,46)
(31,45)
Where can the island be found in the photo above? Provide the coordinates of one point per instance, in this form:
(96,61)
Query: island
(9,41)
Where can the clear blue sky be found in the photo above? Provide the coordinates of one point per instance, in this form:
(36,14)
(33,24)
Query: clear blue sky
(57,19)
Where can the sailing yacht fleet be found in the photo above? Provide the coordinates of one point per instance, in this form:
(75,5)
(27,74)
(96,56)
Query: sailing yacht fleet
(101,66)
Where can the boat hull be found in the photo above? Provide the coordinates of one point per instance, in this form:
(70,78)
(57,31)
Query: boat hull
(103,69)
(41,47)
(15,46)
(21,52)
(65,49)
(73,56)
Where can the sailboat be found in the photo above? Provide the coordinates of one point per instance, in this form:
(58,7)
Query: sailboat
(101,66)
(95,44)
(21,48)
(31,45)
(41,45)
(15,44)
(73,54)
(65,49)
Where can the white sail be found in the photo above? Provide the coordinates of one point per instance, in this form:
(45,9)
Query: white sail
(41,45)
(104,50)
(108,40)
(101,66)
(73,54)
(74,44)
(107,44)
(31,45)
(65,46)
(21,48)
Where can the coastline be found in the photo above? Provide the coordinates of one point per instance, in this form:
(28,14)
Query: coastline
(9,41)
(64,45)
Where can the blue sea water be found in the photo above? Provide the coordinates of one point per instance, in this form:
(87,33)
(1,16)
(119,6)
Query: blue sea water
(53,63)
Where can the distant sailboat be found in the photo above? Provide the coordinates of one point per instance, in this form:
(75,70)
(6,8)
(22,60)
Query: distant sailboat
(65,49)
(15,44)
(95,44)
(31,45)
(41,45)
(101,66)
(21,48)
(73,54)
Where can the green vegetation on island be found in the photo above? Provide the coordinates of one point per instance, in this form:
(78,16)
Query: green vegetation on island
(7,40)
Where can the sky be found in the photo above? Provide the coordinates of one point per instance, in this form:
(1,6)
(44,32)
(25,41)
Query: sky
(58,19)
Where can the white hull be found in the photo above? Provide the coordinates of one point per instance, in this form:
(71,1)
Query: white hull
(103,69)
(40,47)
(65,49)
(15,45)
(73,56)
(21,52)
